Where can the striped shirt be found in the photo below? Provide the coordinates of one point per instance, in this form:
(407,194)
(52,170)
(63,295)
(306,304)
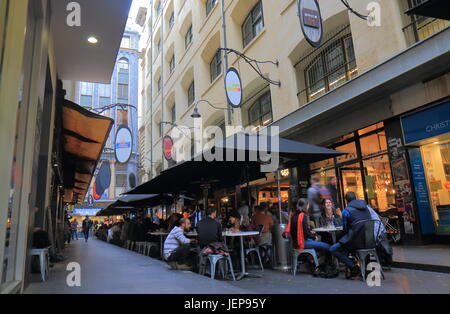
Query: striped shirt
(175,239)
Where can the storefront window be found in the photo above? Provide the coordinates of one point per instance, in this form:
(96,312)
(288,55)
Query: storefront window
(322,164)
(350,150)
(371,128)
(351,180)
(379,185)
(373,144)
(436,159)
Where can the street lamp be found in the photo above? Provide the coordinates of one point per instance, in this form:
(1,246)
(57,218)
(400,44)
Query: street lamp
(196,114)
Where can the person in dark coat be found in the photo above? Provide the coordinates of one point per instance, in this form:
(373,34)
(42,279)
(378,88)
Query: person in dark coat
(355,212)
(86,227)
(209,229)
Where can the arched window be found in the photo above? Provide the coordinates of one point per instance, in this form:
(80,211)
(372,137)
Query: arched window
(332,66)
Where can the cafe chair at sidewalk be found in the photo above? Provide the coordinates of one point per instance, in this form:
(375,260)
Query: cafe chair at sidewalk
(130,245)
(368,232)
(148,247)
(256,249)
(296,253)
(140,247)
(218,258)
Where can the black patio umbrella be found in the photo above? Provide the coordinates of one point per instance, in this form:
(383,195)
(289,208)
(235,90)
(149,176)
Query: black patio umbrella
(238,159)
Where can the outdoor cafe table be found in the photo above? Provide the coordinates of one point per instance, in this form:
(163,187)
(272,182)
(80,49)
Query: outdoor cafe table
(162,235)
(241,235)
(331,230)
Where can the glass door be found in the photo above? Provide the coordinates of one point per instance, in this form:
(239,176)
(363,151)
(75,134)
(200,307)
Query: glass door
(351,180)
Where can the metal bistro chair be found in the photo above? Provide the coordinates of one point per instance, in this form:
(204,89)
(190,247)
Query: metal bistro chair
(148,247)
(295,255)
(369,233)
(218,258)
(130,245)
(43,255)
(256,249)
(140,247)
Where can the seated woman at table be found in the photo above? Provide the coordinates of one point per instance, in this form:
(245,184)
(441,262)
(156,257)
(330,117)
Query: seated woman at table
(330,217)
(299,230)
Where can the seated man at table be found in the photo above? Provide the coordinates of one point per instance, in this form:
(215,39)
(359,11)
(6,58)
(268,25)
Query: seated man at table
(261,218)
(177,248)
(209,229)
(356,211)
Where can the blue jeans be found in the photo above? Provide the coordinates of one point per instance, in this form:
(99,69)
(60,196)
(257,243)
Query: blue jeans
(320,246)
(86,234)
(338,251)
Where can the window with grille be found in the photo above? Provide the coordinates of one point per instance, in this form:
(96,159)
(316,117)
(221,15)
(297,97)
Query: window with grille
(191,93)
(216,65)
(188,37)
(253,24)
(260,113)
(329,66)
(422,27)
(210,4)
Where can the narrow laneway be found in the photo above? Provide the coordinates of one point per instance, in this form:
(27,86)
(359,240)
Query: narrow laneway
(106,268)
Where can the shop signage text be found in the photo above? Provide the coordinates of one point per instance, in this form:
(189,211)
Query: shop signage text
(427,123)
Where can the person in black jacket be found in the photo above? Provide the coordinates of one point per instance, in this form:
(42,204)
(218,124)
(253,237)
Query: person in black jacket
(209,229)
(355,212)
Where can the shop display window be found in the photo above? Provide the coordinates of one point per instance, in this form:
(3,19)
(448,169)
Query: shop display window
(373,144)
(436,160)
(379,185)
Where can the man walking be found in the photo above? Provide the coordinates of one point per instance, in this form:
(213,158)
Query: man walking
(315,200)
(86,226)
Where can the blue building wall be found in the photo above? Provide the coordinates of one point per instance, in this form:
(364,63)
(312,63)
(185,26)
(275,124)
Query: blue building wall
(132,55)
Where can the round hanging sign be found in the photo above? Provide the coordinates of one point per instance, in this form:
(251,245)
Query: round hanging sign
(124,145)
(168,146)
(311,21)
(233,88)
